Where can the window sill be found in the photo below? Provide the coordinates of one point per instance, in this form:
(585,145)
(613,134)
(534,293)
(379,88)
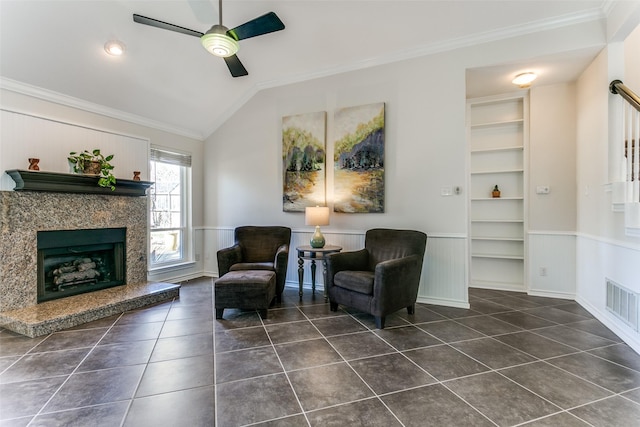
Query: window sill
(171,267)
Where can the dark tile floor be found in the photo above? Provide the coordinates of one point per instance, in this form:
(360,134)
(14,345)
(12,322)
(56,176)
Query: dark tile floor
(509,360)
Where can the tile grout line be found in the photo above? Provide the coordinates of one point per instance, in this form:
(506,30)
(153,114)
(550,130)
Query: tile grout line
(546,361)
(215,364)
(73,371)
(536,331)
(284,371)
(353,370)
(146,365)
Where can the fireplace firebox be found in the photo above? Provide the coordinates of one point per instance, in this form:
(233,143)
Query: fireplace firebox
(72,262)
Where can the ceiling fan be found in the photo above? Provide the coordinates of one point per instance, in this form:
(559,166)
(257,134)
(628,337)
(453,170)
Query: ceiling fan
(221,41)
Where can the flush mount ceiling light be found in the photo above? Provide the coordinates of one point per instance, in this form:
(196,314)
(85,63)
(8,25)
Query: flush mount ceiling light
(114,47)
(524,79)
(218,43)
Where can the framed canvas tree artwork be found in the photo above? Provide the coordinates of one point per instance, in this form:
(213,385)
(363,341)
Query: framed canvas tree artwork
(359,159)
(303,161)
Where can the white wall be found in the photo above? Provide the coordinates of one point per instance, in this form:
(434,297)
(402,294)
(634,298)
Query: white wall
(552,157)
(425,151)
(602,248)
(33,127)
(632,60)
(552,217)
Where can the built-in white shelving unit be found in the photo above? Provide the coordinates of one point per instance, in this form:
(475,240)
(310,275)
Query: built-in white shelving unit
(497,130)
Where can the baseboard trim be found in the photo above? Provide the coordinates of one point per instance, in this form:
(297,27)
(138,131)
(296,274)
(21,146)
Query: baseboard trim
(444,302)
(551,294)
(632,341)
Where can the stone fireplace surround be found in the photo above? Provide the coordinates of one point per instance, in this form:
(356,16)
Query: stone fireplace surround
(24,213)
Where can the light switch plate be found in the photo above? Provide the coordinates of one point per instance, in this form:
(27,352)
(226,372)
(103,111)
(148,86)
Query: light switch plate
(542,189)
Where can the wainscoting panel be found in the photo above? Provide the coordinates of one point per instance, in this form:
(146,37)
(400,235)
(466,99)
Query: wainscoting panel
(214,240)
(443,276)
(23,135)
(599,260)
(552,264)
(444,273)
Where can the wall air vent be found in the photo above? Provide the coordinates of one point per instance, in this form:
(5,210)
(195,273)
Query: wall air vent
(623,303)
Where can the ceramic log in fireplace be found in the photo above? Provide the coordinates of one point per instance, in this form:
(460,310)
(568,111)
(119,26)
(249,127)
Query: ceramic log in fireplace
(72,262)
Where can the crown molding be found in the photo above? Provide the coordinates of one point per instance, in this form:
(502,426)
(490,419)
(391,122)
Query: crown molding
(449,45)
(421,51)
(591,15)
(80,104)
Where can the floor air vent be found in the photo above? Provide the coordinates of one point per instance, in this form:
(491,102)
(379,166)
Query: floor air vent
(623,303)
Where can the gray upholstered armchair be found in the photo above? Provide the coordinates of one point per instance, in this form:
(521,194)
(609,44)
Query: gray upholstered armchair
(381,278)
(258,248)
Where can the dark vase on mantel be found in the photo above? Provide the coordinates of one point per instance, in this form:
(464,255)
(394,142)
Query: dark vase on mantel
(33,164)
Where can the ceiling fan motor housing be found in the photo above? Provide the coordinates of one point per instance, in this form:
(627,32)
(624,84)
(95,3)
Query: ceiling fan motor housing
(217,42)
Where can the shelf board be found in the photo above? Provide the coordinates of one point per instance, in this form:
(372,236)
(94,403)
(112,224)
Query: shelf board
(482,199)
(490,150)
(498,220)
(499,239)
(497,124)
(499,256)
(498,171)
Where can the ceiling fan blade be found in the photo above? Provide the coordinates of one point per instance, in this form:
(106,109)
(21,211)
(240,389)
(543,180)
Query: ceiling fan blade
(267,23)
(165,25)
(235,66)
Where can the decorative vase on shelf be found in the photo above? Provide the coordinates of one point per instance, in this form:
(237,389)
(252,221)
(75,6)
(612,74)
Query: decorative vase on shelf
(495,193)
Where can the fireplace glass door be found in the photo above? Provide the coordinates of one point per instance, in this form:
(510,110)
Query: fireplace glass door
(72,262)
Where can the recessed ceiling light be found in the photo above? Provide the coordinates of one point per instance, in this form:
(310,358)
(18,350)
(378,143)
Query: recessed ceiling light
(114,47)
(524,79)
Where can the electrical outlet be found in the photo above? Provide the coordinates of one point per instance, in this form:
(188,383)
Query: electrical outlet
(543,271)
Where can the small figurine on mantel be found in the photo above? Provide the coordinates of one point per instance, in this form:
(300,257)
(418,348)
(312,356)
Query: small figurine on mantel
(33,164)
(496,192)
(136,175)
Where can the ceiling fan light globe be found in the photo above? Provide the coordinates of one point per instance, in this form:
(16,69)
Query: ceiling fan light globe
(218,43)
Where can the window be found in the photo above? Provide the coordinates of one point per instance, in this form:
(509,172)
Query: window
(170,208)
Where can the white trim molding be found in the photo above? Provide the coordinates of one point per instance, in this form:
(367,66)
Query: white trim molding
(81,104)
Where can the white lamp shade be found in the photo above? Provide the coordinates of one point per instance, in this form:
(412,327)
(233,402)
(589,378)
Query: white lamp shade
(318,215)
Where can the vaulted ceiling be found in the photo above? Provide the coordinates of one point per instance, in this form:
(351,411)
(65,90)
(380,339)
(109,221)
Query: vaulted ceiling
(167,79)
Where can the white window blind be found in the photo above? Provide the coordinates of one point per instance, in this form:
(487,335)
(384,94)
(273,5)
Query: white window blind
(170,157)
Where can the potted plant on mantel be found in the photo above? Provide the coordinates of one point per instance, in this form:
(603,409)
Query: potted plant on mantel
(94,163)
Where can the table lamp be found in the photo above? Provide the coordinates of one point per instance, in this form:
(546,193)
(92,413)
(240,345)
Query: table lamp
(317,216)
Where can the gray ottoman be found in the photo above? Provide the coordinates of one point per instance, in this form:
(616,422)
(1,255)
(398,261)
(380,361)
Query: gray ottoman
(246,289)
